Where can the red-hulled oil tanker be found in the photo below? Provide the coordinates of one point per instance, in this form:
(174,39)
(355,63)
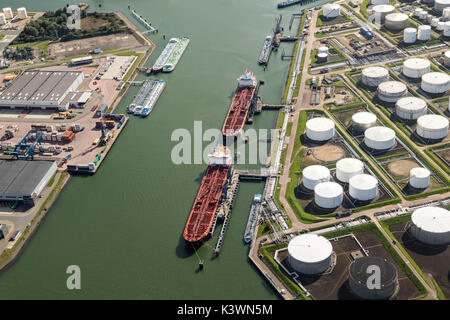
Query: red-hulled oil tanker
(211,192)
(240,105)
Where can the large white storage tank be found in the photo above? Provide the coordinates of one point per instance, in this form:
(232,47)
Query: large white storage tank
(363,187)
(2,19)
(419,178)
(409,35)
(331,10)
(347,168)
(447,58)
(391,91)
(422,15)
(310,253)
(439,5)
(22,13)
(429,18)
(381,11)
(446,31)
(410,108)
(417,12)
(440,26)
(424,33)
(323,50)
(373,76)
(431,225)
(396,21)
(435,82)
(446,14)
(363,120)
(377,2)
(328,195)
(8,13)
(315,174)
(432,126)
(416,67)
(434,22)
(379,138)
(359,276)
(320,129)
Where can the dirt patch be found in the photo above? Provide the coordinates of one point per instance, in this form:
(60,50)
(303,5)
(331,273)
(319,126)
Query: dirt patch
(328,153)
(402,167)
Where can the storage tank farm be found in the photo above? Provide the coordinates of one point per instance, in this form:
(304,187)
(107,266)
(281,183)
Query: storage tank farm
(315,174)
(415,67)
(447,58)
(432,126)
(396,21)
(409,35)
(391,91)
(424,32)
(374,76)
(431,225)
(419,178)
(320,129)
(331,10)
(363,187)
(440,5)
(379,138)
(310,254)
(381,11)
(358,277)
(328,195)
(362,121)
(410,108)
(435,82)
(347,168)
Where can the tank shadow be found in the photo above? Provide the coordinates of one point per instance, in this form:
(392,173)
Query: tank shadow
(421,248)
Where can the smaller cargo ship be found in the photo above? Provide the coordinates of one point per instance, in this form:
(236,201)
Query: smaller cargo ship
(265,51)
(253,218)
(210,194)
(147,97)
(240,105)
(165,54)
(176,54)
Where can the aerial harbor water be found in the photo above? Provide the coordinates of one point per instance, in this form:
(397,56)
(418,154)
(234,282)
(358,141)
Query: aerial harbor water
(123,226)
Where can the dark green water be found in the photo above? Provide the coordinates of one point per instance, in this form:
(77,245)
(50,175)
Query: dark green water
(124,225)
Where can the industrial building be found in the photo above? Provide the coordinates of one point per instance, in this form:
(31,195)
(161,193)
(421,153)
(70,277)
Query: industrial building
(431,225)
(358,278)
(81,60)
(320,129)
(379,138)
(22,180)
(347,168)
(40,89)
(310,254)
(315,174)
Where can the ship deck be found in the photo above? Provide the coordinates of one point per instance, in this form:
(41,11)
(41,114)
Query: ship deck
(237,114)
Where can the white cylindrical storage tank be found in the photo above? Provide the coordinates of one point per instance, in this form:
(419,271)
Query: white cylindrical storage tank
(432,126)
(364,120)
(320,129)
(435,82)
(331,10)
(446,29)
(322,57)
(381,11)
(373,76)
(377,2)
(8,13)
(358,278)
(417,12)
(446,14)
(310,253)
(440,26)
(22,13)
(416,67)
(379,138)
(2,19)
(410,108)
(434,22)
(429,18)
(396,21)
(323,50)
(447,58)
(424,33)
(439,5)
(423,15)
(328,195)
(315,174)
(419,178)
(391,91)
(431,225)
(363,187)
(409,35)
(347,168)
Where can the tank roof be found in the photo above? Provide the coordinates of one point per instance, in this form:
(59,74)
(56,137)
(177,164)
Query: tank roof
(349,165)
(328,189)
(432,121)
(364,117)
(320,124)
(416,63)
(420,172)
(363,181)
(358,270)
(432,219)
(411,103)
(310,248)
(379,133)
(392,86)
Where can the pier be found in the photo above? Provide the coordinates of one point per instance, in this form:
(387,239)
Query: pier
(144,22)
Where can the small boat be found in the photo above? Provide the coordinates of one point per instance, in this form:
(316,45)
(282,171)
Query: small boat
(253,218)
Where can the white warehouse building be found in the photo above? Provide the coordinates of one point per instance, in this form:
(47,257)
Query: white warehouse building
(310,254)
